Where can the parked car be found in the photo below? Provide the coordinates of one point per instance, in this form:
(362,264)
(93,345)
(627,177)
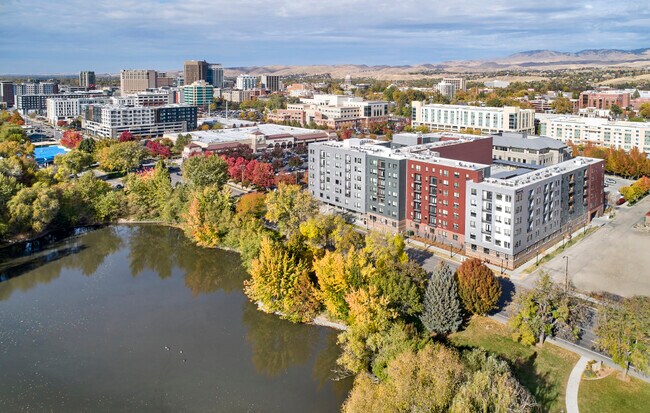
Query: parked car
(620,201)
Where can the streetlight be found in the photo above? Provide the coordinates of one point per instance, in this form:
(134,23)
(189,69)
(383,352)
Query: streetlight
(566,275)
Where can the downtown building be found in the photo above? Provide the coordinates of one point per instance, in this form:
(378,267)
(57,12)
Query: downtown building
(456,118)
(87,79)
(246,82)
(597,131)
(110,120)
(7,96)
(69,108)
(137,80)
(199,93)
(37,103)
(270,82)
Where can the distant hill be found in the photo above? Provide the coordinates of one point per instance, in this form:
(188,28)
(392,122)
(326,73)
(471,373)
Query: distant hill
(531,60)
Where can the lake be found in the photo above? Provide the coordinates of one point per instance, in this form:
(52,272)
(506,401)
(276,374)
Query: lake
(138,319)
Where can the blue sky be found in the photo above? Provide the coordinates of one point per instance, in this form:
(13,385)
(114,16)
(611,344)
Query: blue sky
(65,36)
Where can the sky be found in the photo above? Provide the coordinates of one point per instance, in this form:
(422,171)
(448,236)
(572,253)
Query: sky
(66,36)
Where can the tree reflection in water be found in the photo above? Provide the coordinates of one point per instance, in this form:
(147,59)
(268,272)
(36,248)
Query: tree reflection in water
(85,253)
(205,270)
(325,367)
(276,343)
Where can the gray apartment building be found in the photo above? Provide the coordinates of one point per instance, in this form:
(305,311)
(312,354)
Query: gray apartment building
(521,148)
(337,173)
(512,215)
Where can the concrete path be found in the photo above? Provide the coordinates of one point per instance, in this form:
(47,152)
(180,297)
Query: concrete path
(574,384)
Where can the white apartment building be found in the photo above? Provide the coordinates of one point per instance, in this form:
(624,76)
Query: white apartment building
(68,108)
(458,82)
(137,80)
(246,82)
(111,120)
(459,117)
(511,216)
(599,131)
(446,89)
(339,110)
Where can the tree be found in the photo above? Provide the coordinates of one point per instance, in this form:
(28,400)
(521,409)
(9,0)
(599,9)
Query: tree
(442,312)
(71,139)
(280,282)
(181,142)
(126,136)
(158,149)
(149,193)
(9,186)
(622,332)
(72,163)
(644,110)
(636,94)
(384,247)
(209,216)
(260,174)
(87,145)
(251,205)
(33,209)
(403,284)
(121,157)
(288,207)
(546,310)
(417,381)
(562,105)
(205,170)
(478,288)
(615,110)
(16,119)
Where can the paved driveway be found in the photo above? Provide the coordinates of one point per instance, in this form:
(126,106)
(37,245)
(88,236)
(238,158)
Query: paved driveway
(616,258)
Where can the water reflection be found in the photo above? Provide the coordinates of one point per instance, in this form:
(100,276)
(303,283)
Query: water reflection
(277,344)
(85,254)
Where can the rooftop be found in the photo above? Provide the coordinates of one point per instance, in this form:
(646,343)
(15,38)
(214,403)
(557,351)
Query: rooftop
(242,134)
(520,180)
(519,140)
(595,121)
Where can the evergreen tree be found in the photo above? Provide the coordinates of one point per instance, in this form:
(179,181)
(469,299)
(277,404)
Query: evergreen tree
(442,308)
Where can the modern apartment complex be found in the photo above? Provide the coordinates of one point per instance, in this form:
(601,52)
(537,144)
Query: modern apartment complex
(69,108)
(521,148)
(598,131)
(198,93)
(512,216)
(38,103)
(87,79)
(270,82)
(446,191)
(111,120)
(137,80)
(246,82)
(486,119)
(334,111)
(36,88)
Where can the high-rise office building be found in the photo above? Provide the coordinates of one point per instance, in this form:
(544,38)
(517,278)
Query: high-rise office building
(137,80)
(215,75)
(7,93)
(195,70)
(198,93)
(246,82)
(87,79)
(270,82)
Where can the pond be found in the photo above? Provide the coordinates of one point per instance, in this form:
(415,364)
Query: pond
(137,318)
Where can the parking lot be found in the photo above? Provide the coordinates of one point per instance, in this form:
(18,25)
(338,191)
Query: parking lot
(615,258)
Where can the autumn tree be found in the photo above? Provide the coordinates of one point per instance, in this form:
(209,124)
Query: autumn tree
(121,157)
(71,139)
(644,110)
(562,105)
(209,215)
(280,281)
(149,192)
(72,163)
(288,207)
(622,332)
(87,145)
(251,205)
(205,170)
(478,288)
(546,310)
(158,149)
(615,110)
(442,312)
(33,209)
(126,136)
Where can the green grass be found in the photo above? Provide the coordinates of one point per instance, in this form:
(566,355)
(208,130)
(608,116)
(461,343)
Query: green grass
(610,395)
(543,371)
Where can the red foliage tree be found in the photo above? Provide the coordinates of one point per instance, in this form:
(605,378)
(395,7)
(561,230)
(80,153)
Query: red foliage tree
(126,136)
(158,149)
(346,133)
(61,123)
(289,179)
(71,139)
(260,174)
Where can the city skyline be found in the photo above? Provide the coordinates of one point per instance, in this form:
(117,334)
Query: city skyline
(161,34)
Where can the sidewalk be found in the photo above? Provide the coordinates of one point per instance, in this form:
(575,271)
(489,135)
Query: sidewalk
(573,385)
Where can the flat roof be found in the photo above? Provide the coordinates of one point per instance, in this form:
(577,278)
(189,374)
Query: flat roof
(518,140)
(241,134)
(518,181)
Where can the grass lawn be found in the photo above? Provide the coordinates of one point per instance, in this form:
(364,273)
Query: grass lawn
(543,371)
(609,395)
